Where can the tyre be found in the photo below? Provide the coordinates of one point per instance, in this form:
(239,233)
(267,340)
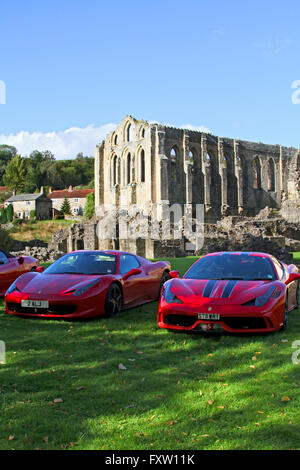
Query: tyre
(113,301)
(165,277)
(285,316)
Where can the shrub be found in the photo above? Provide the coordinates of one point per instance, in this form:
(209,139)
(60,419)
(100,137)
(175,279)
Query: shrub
(32,215)
(3,217)
(5,240)
(9,213)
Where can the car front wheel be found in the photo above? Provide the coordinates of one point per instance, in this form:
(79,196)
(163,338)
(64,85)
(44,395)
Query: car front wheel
(113,301)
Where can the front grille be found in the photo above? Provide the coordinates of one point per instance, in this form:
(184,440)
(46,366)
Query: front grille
(240,323)
(53,309)
(179,320)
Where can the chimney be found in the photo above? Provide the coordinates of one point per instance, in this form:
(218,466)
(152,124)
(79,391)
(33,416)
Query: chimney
(14,192)
(42,190)
(50,189)
(70,188)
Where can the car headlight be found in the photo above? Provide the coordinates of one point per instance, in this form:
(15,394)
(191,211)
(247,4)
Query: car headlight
(263,299)
(12,288)
(169,297)
(82,290)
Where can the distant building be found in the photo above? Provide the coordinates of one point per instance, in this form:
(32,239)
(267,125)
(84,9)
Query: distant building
(23,204)
(76,198)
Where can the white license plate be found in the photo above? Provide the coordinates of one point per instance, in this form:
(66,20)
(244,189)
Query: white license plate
(208,316)
(35,303)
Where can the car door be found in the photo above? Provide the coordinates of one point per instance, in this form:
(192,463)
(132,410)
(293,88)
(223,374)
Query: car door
(132,291)
(8,271)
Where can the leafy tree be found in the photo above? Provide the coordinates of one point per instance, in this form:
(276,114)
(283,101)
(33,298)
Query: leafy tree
(65,207)
(7,152)
(14,176)
(3,218)
(9,213)
(89,209)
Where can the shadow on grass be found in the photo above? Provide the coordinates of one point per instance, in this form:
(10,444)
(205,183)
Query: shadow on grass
(169,376)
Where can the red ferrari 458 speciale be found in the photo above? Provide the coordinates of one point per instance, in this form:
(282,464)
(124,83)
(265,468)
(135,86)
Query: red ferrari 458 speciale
(231,291)
(86,284)
(12,267)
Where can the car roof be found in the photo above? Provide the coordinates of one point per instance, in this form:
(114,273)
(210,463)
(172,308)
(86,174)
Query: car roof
(110,252)
(242,253)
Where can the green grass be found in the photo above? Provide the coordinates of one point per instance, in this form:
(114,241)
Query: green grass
(38,229)
(296,256)
(179,391)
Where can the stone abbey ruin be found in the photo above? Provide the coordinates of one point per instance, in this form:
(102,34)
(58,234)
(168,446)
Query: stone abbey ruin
(250,192)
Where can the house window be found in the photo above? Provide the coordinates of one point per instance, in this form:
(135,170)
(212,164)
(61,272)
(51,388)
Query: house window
(27,203)
(19,215)
(27,213)
(76,199)
(76,210)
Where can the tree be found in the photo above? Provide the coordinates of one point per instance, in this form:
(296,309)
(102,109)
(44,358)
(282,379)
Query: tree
(65,207)
(9,213)
(89,209)
(3,218)
(7,152)
(14,176)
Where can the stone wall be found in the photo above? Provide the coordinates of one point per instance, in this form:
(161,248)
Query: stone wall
(152,164)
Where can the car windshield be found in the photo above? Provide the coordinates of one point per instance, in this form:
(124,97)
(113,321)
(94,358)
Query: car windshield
(84,263)
(235,267)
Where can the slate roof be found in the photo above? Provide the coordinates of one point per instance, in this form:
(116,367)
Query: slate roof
(25,197)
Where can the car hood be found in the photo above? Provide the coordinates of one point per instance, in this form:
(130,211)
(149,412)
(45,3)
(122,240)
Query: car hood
(52,284)
(218,291)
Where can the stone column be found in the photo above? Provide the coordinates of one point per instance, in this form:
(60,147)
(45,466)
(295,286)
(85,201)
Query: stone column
(162,180)
(239,176)
(207,173)
(188,166)
(223,177)
(98,172)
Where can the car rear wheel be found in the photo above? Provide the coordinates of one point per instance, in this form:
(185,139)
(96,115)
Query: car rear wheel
(113,301)
(285,316)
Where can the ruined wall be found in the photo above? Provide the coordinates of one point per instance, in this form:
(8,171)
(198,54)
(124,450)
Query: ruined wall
(152,164)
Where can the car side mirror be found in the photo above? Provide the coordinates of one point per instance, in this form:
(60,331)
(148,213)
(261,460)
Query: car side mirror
(132,272)
(21,260)
(292,277)
(40,269)
(174,274)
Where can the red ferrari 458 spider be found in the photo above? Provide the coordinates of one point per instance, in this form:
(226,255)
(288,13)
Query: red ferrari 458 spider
(233,292)
(86,284)
(12,267)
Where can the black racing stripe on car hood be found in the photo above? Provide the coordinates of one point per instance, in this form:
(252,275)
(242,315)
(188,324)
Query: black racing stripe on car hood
(209,287)
(228,289)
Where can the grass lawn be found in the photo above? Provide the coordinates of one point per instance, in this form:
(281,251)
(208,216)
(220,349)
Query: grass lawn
(39,229)
(62,387)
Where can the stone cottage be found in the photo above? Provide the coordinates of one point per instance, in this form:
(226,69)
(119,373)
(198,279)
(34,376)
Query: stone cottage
(23,204)
(76,198)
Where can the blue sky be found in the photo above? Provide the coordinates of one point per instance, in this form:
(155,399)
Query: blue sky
(81,66)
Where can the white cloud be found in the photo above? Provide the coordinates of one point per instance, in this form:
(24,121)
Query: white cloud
(68,143)
(64,144)
(191,127)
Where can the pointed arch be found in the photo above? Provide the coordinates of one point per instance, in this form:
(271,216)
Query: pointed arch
(271,175)
(128,163)
(256,173)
